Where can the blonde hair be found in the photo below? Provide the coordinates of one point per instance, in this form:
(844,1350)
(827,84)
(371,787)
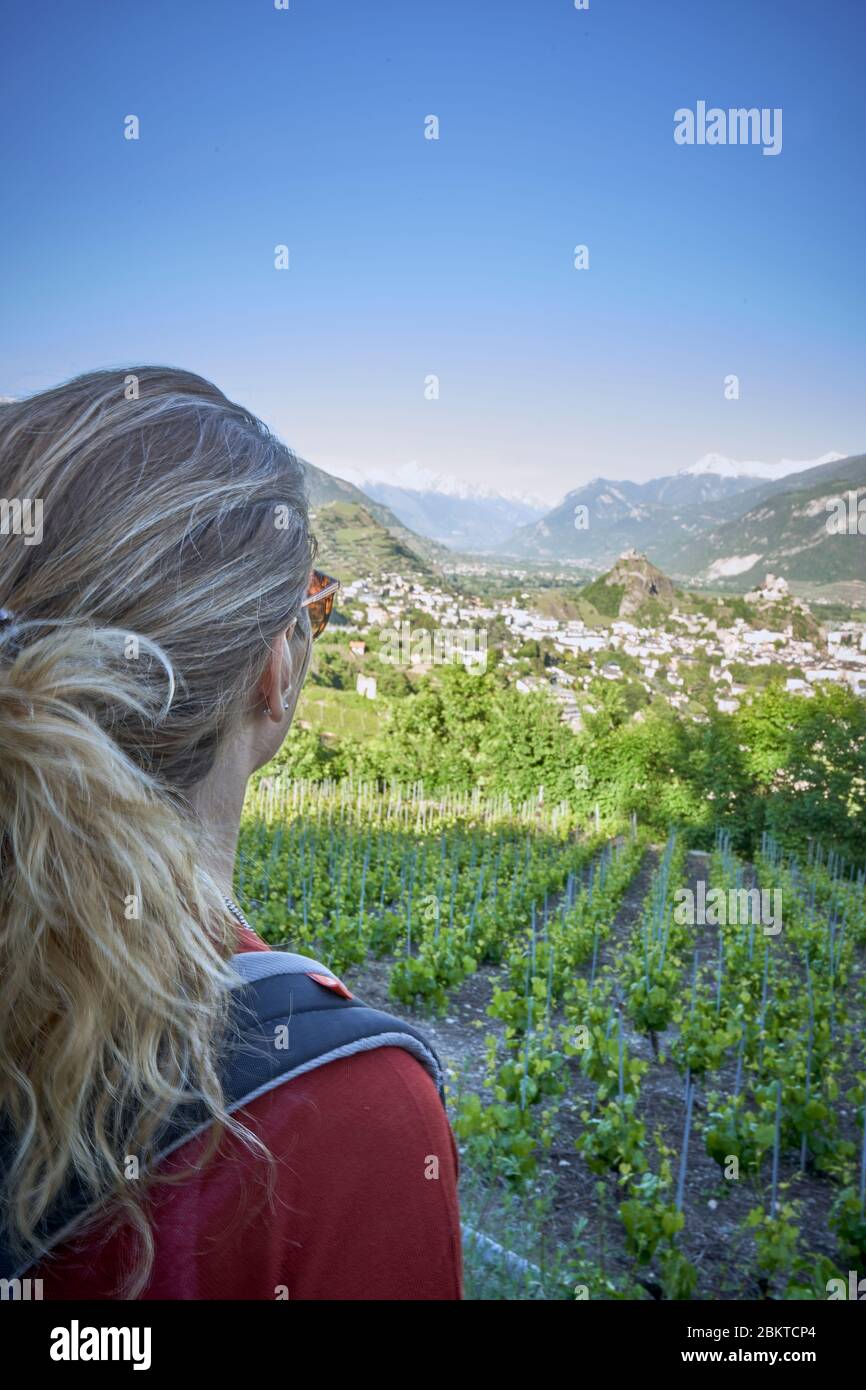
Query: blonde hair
(175,546)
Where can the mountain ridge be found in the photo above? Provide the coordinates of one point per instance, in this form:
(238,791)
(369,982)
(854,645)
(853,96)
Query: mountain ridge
(700,527)
(683,530)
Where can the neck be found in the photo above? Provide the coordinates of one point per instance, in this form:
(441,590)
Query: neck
(218,801)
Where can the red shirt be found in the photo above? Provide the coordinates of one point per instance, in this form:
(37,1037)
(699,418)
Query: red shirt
(355,1210)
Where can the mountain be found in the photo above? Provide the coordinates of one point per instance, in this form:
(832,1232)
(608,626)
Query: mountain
(784,530)
(592,525)
(710,524)
(354,543)
(691,489)
(469,521)
(719,466)
(414,478)
(679,521)
(324,491)
(452,511)
(662,515)
(816,475)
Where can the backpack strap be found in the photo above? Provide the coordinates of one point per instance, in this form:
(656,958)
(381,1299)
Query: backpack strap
(288,1015)
(293,1014)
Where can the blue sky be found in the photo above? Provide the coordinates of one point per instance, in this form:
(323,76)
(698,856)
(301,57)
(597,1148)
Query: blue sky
(411,257)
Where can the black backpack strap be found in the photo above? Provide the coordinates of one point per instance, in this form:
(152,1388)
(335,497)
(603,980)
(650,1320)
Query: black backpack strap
(289,1020)
(288,1015)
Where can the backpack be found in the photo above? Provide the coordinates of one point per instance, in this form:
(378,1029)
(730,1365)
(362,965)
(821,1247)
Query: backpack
(288,1015)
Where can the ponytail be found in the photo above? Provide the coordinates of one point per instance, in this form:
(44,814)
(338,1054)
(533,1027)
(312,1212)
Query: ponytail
(112,974)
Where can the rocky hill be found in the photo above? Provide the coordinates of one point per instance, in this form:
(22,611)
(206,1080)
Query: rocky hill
(632,588)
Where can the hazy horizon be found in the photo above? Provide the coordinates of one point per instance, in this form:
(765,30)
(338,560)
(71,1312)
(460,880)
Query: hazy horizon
(412,478)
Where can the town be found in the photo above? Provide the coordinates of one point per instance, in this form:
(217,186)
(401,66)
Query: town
(686,656)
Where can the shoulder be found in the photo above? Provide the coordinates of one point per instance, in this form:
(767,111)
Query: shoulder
(367,1165)
(377,1107)
(355,1198)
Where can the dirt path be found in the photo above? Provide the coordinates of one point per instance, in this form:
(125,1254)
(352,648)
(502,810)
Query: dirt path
(458,1037)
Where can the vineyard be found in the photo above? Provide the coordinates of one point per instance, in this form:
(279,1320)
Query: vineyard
(649,1102)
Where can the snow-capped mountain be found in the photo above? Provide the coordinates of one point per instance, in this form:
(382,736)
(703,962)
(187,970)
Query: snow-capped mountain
(413,477)
(714,478)
(723,467)
(454,511)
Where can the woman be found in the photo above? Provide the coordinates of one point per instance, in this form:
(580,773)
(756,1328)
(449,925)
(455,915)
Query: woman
(153,1141)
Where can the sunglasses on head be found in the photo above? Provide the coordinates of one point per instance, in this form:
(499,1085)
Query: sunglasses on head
(320,601)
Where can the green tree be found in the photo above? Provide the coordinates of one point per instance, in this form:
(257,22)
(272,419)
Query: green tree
(302,754)
(808,757)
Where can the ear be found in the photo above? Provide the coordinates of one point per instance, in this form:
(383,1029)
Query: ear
(271,683)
